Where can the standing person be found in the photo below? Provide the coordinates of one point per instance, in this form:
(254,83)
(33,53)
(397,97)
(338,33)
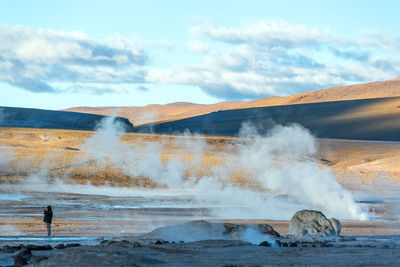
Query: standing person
(48,216)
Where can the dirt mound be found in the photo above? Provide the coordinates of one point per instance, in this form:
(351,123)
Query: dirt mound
(203,230)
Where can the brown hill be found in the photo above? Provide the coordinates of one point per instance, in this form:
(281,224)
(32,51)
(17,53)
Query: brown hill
(360,119)
(382,89)
(159,113)
(181,110)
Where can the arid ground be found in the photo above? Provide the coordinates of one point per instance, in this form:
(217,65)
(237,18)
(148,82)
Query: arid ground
(96,196)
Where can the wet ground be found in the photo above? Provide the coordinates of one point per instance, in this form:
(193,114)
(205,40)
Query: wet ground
(86,211)
(88,215)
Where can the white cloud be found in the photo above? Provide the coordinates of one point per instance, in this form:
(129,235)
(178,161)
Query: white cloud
(253,60)
(198,47)
(270,33)
(34,59)
(96,88)
(278,58)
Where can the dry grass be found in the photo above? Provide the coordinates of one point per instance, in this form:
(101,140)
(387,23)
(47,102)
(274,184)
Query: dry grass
(58,153)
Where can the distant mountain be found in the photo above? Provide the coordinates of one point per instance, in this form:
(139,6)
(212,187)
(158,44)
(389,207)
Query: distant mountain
(362,119)
(181,110)
(40,118)
(158,113)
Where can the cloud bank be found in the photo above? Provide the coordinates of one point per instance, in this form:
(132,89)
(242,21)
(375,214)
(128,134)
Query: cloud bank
(34,59)
(252,60)
(266,58)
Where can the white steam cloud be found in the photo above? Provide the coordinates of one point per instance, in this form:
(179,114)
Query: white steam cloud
(277,171)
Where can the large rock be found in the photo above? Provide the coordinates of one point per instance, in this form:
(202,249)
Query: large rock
(311,223)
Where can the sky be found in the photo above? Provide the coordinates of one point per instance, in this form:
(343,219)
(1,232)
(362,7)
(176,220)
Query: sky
(61,54)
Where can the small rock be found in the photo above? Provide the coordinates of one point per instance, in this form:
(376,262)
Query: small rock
(267,229)
(72,245)
(136,245)
(264,244)
(24,252)
(12,249)
(60,246)
(8,249)
(344,239)
(293,244)
(159,242)
(39,248)
(22,257)
(19,261)
(326,245)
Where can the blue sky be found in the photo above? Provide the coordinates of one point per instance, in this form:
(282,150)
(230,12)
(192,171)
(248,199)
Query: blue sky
(60,54)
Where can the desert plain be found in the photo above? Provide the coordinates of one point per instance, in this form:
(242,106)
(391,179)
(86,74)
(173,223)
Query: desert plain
(113,185)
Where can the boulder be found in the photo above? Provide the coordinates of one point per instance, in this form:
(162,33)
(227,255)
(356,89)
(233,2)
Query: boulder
(312,223)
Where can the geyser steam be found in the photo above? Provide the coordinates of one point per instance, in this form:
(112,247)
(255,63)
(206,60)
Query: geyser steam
(280,173)
(280,164)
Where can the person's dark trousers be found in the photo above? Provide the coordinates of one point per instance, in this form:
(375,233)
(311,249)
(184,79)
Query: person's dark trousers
(48,225)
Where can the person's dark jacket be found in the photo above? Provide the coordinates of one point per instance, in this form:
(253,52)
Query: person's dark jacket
(48,215)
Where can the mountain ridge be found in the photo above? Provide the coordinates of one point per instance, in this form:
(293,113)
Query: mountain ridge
(153,113)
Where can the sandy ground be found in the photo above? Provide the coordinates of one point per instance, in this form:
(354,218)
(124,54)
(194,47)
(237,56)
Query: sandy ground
(361,159)
(73,228)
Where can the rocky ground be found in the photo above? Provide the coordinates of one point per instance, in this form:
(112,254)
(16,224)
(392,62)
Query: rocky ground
(224,244)
(339,252)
